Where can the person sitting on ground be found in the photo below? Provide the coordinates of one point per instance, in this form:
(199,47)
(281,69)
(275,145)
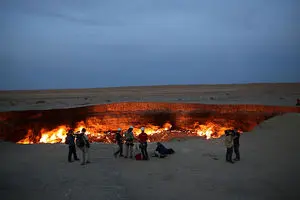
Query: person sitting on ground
(129,139)
(70,140)
(143,137)
(162,151)
(83,143)
(119,141)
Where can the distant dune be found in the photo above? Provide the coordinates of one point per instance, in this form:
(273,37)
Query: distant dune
(284,94)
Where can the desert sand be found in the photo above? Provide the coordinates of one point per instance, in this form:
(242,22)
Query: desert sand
(269,166)
(262,94)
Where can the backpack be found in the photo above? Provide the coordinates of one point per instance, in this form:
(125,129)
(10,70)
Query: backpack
(80,141)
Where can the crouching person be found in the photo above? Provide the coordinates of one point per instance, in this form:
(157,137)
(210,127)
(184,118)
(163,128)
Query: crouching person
(70,140)
(129,138)
(161,151)
(83,143)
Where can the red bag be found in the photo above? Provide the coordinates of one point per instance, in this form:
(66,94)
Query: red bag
(138,156)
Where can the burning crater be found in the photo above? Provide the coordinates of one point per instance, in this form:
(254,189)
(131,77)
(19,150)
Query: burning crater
(162,121)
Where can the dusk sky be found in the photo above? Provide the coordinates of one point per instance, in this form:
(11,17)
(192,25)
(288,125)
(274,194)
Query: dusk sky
(102,43)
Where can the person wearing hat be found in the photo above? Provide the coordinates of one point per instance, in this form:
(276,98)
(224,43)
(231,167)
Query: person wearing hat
(70,140)
(143,137)
(129,138)
(229,145)
(119,141)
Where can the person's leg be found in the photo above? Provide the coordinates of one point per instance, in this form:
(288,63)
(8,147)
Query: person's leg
(131,150)
(74,152)
(126,150)
(88,155)
(237,152)
(121,149)
(146,152)
(82,155)
(70,154)
(143,150)
(230,154)
(227,154)
(118,151)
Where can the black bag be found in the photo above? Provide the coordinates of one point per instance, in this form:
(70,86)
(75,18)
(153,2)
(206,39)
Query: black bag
(80,141)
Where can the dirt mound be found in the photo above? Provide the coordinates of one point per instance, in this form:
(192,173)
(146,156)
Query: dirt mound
(285,122)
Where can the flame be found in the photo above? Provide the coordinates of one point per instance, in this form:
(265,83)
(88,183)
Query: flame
(103,133)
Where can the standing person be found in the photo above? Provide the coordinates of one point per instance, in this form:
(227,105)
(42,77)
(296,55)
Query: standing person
(229,145)
(70,140)
(129,138)
(83,143)
(119,141)
(236,145)
(143,137)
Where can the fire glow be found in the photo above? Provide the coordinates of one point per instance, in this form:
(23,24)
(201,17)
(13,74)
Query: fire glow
(99,133)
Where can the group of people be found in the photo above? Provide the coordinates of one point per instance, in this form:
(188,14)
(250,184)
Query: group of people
(232,143)
(81,140)
(129,140)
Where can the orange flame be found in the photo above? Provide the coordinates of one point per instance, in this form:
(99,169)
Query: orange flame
(98,132)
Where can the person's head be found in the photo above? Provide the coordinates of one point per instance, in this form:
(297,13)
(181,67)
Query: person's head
(158,143)
(227,132)
(143,129)
(70,132)
(83,130)
(130,128)
(119,130)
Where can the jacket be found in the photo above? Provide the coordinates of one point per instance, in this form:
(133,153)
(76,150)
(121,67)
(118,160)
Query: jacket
(119,138)
(228,141)
(143,137)
(129,136)
(236,139)
(70,140)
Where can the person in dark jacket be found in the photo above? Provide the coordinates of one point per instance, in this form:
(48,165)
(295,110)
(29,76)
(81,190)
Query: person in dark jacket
(236,145)
(70,140)
(119,141)
(162,150)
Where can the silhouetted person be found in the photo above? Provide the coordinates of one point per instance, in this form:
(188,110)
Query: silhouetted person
(119,141)
(236,145)
(83,143)
(129,138)
(298,102)
(162,151)
(143,137)
(70,140)
(229,145)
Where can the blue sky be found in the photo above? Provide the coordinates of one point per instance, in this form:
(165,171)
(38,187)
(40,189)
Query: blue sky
(102,43)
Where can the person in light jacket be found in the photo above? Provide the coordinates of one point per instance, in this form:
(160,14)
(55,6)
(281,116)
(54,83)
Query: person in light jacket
(129,139)
(85,149)
(229,145)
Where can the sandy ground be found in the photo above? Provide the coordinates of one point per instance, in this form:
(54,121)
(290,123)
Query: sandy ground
(264,94)
(269,169)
